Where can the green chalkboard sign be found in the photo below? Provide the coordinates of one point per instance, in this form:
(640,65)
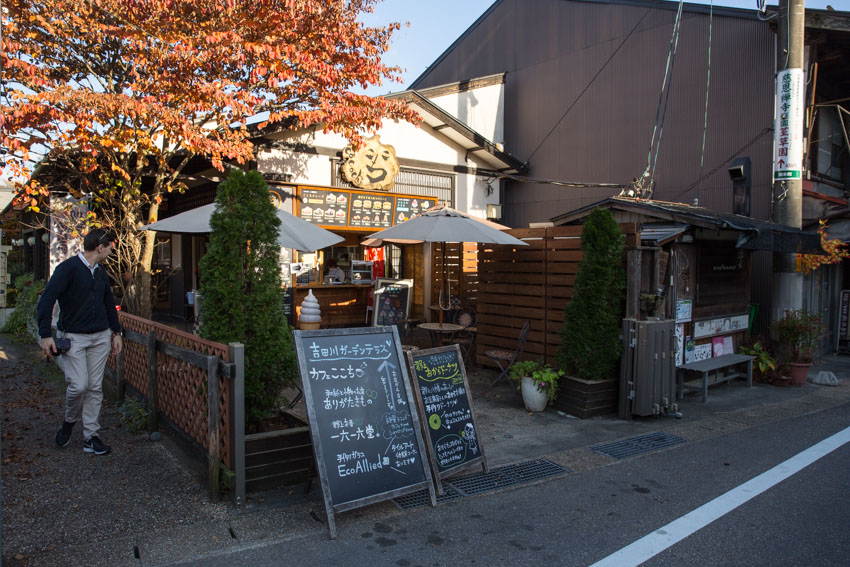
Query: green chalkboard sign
(363,417)
(442,394)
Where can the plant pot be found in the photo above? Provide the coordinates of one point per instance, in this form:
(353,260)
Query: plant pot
(532,397)
(799,372)
(586,398)
(277,458)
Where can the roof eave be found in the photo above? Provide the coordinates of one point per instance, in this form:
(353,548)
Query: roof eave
(475,144)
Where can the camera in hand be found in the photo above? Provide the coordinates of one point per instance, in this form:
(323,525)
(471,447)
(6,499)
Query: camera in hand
(63,345)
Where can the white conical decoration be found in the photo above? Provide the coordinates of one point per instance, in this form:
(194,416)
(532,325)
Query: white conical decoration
(310,310)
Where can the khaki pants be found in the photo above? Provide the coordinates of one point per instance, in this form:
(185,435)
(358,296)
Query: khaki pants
(83,365)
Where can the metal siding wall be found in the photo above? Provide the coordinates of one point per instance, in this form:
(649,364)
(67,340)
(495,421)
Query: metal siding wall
(552,49)
(414,182)
(761,290)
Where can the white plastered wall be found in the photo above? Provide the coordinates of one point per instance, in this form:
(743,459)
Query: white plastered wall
(481,109)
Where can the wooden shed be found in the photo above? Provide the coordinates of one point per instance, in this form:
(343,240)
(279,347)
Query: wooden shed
(689,283)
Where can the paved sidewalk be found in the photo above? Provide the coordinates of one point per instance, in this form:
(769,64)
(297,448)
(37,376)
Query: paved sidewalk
(142,505)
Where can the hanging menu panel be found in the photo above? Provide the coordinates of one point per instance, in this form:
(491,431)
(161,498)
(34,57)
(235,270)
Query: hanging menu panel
(324,207)
(363,419)
(406,207)
(371,211)
(333,208)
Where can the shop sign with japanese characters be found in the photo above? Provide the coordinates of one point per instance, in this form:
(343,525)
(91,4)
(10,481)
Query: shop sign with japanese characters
(788,133)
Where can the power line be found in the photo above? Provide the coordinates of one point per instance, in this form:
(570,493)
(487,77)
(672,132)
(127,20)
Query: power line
(649,172)
(707,89)
(572,184)
(735,154)
(604,65)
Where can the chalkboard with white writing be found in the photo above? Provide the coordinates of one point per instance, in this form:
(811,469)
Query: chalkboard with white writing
(363,418)
(442,394)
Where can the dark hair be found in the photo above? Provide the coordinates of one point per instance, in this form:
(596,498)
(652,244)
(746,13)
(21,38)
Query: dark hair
(97,237)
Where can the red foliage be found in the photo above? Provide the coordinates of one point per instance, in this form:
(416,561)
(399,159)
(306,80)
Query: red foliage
(835,249)
(109,78)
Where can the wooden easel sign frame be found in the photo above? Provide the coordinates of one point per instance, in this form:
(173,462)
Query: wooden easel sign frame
(442,395)
(383,292)
(363,417)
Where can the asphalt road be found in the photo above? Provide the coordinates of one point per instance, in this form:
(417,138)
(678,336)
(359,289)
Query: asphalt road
(581,518)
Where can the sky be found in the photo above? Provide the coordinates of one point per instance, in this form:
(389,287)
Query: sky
(436,24)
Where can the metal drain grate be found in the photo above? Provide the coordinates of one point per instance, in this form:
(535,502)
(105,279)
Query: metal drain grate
(508,475)
(638,445)
(421,498)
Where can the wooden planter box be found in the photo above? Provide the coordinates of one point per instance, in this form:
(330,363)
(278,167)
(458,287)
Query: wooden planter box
(584,398)
(277,458)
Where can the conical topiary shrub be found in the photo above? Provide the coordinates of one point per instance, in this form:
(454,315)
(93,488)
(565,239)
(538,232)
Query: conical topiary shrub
(241,289)
(590,339)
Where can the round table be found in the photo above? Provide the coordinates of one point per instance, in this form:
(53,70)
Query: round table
(437,331)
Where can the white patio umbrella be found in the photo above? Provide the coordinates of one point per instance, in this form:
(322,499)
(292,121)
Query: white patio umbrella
(294,232)
(444,224)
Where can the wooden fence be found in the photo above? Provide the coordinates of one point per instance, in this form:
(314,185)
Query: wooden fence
(188,380)
(533,282)
(461,265)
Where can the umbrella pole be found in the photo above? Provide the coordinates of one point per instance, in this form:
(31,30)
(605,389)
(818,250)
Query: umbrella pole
(443,246)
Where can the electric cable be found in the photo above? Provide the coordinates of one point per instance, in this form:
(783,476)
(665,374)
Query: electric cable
(599,72)
(666,85)
(735,154)
(707,89)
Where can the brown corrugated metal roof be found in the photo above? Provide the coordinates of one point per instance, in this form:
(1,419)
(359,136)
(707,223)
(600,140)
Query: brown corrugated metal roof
(755,234)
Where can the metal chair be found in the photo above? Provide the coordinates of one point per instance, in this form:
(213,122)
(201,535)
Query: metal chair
(465,338)
(506,358)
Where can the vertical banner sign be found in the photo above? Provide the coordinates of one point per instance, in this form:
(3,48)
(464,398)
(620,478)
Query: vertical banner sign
(363,419)
(788,130)
(442,392)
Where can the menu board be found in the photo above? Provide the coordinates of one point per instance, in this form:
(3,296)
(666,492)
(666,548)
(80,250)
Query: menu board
(363,419)
(406,207)
(392,301)
(324,207)
(443,397)
(371,211)
(343,208)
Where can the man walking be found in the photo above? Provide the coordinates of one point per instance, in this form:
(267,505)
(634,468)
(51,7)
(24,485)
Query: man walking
(87,317)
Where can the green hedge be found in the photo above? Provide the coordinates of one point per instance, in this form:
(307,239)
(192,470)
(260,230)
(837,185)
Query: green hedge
(26,305)
(241,292)
(590,339)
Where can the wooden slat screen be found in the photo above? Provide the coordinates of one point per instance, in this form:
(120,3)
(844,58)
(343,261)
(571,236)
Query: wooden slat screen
(533,282)
(462,268)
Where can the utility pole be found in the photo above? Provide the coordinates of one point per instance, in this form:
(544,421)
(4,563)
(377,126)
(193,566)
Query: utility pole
(788,150)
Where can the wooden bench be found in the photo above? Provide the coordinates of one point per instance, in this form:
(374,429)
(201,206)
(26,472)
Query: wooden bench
(722,368)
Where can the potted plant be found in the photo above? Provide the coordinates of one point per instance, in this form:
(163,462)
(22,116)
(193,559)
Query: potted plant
(538,383)
(591,346)
(764,362)
(799,336)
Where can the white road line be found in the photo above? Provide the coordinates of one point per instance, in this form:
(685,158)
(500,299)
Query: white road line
(654,543)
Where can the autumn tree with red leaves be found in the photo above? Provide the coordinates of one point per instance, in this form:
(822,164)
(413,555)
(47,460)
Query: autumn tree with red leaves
(111,99)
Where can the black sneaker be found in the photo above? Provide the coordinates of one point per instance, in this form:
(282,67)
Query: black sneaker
(63,436)
(94,445)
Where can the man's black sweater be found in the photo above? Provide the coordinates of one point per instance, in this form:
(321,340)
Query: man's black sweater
(85,301)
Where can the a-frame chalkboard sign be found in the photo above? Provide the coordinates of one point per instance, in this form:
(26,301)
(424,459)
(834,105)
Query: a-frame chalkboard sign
(444,400)
(363,417)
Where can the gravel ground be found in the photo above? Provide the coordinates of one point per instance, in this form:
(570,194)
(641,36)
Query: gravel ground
(57,502)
